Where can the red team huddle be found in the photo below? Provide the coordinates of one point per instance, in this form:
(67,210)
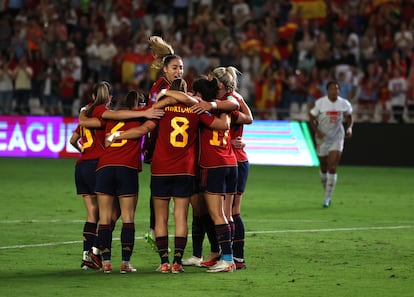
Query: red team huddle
(194,159)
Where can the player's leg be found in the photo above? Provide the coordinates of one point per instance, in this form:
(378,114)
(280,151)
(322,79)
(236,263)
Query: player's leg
(161,209)
(89,229)
(105,203)
(239,234)
(181,231)
(228,207)
(223,233)
(332,162)
(323,170)
(127,205)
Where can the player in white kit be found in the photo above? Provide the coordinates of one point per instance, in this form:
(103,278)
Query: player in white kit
(326,119)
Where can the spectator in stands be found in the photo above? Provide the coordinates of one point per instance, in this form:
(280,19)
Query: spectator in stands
(380,26)
(198,60)
(106,50)
(368,94)
(397,85)
(403,38)
(67,91)
(6,87)
(22,76)
(50,87)
(322,52)
(384,96)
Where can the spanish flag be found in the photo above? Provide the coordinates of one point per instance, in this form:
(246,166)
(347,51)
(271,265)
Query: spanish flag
(135,67)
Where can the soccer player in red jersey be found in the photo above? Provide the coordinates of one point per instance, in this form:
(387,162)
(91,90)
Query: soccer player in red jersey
(171,67)
(91,147)
(117,176)
(227,77)
(96,115)
(173,170)
(218,177)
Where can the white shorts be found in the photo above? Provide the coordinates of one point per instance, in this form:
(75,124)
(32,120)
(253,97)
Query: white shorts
(324,147)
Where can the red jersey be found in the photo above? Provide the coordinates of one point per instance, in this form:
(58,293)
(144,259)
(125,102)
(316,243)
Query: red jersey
(93,139)
(216,149)
(159,84)
(236,130)
(92,143)
(176,146)
(126,152)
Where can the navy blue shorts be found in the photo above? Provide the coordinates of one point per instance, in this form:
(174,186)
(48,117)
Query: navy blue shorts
(243,173)
(180,186)
(85,178)
(117,181)
(221,180)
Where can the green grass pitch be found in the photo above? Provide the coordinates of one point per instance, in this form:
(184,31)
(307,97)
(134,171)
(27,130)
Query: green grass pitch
(362,246)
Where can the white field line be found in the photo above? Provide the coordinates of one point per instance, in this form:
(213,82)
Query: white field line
(249,232)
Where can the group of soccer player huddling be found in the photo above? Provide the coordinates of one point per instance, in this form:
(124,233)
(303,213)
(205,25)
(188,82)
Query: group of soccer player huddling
(193,141)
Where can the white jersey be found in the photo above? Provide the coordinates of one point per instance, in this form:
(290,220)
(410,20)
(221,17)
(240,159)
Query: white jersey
(330,116)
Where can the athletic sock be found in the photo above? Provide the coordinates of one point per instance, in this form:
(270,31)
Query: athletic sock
(197,233)
(238,241)
(127,240)
(223,236)
(89,235)
(211,233)
(105,240)
(330,185)
(162,245)
(179,246)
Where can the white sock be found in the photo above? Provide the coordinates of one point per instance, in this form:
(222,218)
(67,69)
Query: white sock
(330,185)
(323,179)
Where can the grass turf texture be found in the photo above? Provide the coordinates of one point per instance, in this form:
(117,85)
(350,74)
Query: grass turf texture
(361,246)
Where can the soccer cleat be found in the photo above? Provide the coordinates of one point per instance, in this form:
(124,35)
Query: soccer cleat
(177,268)
(127,268)
(211,260)
(83,265)
(240,265)
(87,262)
(96,260)
(164,268)
(107,267)
(326,203)
(223,266)
(193,261)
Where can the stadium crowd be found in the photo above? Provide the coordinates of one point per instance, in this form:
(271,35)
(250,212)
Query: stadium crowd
(53,52)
